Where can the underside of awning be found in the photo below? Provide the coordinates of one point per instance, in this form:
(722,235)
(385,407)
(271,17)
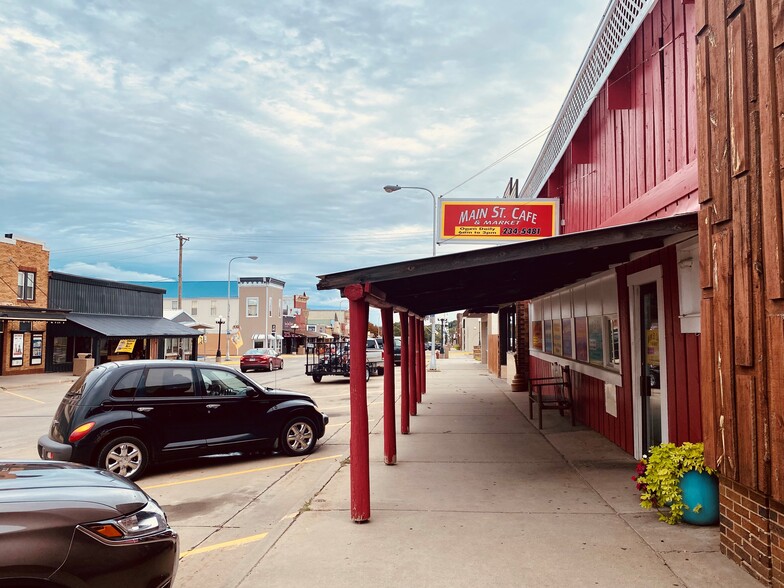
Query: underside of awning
(21,313)
(490,278)
(131,326)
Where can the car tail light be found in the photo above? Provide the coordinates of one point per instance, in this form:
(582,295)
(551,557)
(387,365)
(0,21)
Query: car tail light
(80,431)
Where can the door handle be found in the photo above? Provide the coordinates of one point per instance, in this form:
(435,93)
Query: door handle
(144,408)
(211,406)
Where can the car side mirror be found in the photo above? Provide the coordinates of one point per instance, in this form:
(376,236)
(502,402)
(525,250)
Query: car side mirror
(251,392)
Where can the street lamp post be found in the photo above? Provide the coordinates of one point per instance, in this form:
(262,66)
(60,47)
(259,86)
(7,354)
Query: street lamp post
(228,300)
(389,190)
(219,321)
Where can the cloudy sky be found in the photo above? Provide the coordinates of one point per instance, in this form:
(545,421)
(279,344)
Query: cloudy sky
(268,127)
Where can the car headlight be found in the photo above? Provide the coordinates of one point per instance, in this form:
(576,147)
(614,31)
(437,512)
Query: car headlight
(147,521)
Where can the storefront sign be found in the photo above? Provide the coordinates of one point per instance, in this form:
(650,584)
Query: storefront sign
(125,346)
(498,220)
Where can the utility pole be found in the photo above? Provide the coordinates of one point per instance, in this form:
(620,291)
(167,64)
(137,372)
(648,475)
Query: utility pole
(182,239)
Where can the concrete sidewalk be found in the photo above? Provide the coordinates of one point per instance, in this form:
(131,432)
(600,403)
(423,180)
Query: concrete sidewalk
(480,497)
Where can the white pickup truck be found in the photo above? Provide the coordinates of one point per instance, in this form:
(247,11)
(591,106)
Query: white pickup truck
(375,356)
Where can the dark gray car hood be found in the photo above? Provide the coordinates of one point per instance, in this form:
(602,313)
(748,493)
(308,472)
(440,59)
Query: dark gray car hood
(52,481)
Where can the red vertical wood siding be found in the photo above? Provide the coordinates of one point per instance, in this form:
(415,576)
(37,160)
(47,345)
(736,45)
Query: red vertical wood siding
(631,151)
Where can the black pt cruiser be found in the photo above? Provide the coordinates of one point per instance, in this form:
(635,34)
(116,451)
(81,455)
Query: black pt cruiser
(123,416)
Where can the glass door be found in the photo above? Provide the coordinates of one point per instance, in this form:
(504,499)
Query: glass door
(650,379)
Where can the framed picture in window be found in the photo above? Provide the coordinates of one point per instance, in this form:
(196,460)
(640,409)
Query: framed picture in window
(36,349)
(17,349)
(581,338)
(595,340)
(557,343)
(548,336)
(536,335)
(566,335)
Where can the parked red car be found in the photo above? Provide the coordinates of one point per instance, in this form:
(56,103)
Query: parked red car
(260,358)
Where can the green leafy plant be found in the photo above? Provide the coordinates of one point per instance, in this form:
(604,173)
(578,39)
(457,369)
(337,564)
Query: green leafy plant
(659,474)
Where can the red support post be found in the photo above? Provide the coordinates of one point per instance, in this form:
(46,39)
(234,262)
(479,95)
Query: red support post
(413,377)
(405,368)
(425,362)
(359,443)
(421,353)
(388,335)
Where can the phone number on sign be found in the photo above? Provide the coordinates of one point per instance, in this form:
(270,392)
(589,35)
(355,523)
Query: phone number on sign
(524,231)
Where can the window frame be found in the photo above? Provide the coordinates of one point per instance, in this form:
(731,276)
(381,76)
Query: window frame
(24,290)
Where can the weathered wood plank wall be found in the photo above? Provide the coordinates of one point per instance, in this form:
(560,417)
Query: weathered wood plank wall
(740,68)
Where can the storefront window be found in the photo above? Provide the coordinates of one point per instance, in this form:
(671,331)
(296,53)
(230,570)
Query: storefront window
(579,322)
(60,350)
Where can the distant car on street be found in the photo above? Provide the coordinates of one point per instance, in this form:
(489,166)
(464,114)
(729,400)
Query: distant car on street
(124,416)
(64,524)
(397,350)
(260,358)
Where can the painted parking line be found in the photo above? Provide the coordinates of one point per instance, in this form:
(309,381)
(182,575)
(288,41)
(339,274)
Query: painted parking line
(241,472)
(223,545)
(23,396)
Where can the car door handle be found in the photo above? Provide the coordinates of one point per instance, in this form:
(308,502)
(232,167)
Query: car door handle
(211,406)
(145,408)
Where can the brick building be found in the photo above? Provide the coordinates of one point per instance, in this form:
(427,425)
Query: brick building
(24,312)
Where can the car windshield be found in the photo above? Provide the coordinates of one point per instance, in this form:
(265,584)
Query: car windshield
(259,351)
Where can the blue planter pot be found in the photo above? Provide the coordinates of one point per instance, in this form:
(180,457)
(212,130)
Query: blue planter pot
(701,488)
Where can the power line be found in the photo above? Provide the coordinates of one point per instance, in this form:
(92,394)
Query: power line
(502,158)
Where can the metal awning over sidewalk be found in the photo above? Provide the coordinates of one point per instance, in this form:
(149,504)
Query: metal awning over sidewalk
(131,326)
(22,313)
(489,278)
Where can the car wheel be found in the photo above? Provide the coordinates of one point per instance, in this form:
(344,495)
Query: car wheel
(124,456)
(380,371)
(367,374)
(243,369)
(280,366)
(298,437)
(316,378)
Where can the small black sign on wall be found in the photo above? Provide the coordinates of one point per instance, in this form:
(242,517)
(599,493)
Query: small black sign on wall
(25,326)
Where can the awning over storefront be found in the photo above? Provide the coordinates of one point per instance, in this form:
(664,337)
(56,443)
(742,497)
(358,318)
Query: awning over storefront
(259,337)
(489,278)
(131,326)
(20,313)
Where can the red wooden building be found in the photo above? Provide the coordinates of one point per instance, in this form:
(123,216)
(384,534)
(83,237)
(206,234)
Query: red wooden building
(664,292)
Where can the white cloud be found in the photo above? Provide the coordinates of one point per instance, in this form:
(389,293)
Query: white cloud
(267,128)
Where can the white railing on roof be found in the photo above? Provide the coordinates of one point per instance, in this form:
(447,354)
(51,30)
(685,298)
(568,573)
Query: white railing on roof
(621,21)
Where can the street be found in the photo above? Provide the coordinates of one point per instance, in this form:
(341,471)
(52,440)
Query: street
(217,504)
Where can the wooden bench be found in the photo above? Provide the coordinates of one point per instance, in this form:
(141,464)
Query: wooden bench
(551,392)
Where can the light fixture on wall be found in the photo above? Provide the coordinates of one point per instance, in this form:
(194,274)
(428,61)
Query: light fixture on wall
(685,263)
